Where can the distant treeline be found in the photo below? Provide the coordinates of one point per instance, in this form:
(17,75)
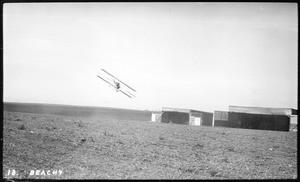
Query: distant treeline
(78,111)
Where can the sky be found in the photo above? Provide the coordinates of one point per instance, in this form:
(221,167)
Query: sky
(202,56)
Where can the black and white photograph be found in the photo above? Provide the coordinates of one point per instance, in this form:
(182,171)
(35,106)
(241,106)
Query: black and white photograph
(150,90)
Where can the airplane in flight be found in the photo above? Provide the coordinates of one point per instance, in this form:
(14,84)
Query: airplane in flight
(116,83)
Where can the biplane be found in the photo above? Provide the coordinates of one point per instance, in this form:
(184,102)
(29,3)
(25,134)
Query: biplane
(116,83)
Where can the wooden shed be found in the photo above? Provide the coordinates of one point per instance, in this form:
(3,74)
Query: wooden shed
(186,116)
(262,118)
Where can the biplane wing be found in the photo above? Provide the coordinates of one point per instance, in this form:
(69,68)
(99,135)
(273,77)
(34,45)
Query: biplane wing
(125,93)
(118,80)
(112,80)
(107,81)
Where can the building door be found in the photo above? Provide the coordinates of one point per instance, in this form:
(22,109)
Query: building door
(153,117)
(175,117)
(197,121)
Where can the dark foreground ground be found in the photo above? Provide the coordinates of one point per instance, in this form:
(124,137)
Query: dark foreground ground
(95,148)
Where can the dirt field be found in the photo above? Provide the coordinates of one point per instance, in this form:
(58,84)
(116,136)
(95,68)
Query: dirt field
(95,148)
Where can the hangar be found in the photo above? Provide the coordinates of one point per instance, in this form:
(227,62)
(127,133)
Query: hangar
(183,116)
(263,118)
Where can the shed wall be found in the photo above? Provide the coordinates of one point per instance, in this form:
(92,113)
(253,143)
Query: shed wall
(221,123)
(207,118)
(258,121)
(221,115)
(221,118)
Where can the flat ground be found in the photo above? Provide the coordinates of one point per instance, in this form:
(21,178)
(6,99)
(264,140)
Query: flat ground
(94,148)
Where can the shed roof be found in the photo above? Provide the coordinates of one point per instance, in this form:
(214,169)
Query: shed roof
(156,112)
(182,110)
(176,109)
(263,110)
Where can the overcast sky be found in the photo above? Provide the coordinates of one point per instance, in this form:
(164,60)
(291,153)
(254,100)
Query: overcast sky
(203,56)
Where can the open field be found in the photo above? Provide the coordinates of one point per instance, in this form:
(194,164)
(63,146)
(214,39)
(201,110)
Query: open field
(91,147)
(79,111)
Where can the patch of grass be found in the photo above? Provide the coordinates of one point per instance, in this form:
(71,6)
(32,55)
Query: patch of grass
(186,170)
(49,128)
(213,172)
(198,145)
(82,140)
(8,119)
(108,134)
(258,157)
(79,124)
(91,139)
(230,149)
(225,160)
(22,127)
(120,142)
(138,150)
